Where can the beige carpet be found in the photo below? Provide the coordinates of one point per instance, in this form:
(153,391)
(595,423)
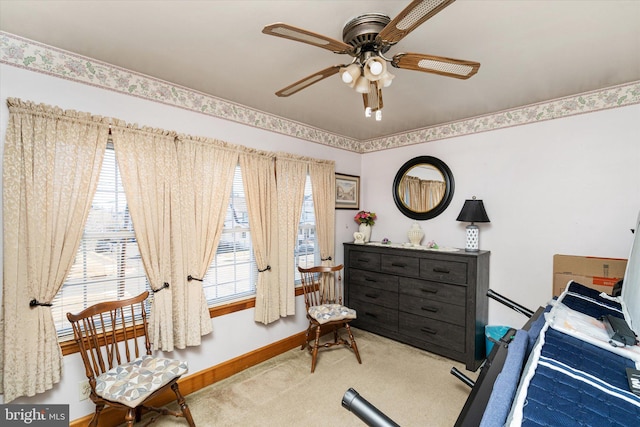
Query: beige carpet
(411,386)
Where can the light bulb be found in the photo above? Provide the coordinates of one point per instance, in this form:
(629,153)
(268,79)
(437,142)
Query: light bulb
(350,74)
(378,115)
(375,67)
(367,112)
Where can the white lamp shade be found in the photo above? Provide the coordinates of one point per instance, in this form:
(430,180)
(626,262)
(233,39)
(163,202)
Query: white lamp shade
(374,68)
(386,79)
(350,74)
(362,85)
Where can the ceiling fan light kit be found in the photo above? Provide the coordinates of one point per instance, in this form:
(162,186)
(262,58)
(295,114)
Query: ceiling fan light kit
(367,38)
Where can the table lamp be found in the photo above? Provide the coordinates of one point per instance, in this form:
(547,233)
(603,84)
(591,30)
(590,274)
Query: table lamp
(473,211)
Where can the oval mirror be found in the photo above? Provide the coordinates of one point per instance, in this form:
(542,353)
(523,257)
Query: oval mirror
(423,187)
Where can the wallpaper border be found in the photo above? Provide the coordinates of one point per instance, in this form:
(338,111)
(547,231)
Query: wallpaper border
(38,57)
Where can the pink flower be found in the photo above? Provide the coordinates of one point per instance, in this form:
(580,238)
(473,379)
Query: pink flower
(365,217)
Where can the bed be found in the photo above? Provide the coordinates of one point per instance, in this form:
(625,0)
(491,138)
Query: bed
(560,368)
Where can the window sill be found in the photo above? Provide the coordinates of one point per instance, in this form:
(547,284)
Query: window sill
(70,346)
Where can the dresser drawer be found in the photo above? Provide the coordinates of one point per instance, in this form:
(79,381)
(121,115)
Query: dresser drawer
(373,280)
(402,265)
(451,294)
(367,260)
(432,309)
(376,296)
(443,271)
(373,317)
(432,331)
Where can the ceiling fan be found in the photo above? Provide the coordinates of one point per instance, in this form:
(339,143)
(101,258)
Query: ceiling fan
(366,39)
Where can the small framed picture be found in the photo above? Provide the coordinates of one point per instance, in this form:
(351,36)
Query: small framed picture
(347,191)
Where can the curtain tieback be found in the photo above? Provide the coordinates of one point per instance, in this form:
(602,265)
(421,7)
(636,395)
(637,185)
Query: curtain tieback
(190,278)
(326,259)
(165,286)
(34,303)
(262,271)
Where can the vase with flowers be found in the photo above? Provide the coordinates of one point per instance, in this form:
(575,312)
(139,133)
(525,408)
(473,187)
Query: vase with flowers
(365,219)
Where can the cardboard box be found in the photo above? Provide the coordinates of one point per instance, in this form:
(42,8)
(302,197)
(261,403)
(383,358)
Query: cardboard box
(596,273)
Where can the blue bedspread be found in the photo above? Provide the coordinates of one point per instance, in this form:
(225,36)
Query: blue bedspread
(588,301)
(571,382)
(579,384)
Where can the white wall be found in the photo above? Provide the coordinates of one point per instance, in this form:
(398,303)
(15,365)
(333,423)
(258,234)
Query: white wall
(568,186)
(234,334)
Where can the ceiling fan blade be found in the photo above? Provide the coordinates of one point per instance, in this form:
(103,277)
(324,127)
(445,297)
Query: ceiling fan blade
(309,80)
(449,67)
(409,19)
(298,34)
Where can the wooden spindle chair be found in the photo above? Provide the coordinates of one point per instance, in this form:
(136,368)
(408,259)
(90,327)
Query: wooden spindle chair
(121,372)
(322,286)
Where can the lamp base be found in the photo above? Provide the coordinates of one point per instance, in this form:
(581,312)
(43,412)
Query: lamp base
(473,237)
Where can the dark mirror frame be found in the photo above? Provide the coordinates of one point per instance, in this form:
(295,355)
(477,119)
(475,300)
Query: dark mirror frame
(446,199)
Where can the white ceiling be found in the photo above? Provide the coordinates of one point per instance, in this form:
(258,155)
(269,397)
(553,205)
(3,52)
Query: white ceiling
(530,51)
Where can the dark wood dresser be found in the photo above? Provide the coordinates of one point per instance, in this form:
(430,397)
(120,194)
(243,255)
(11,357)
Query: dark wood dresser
(433,300)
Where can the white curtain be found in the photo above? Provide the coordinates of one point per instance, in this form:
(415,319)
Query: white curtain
(323,184)
(52,161)
(291,177)
(148,164)
(258,176)
(421,195)
(432,193)
(206,168)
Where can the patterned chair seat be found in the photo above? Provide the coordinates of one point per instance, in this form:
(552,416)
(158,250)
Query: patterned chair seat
(131,383)
(329,312)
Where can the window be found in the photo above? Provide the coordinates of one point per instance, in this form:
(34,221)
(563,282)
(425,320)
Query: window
(307,253)
(233,272)
(107,265)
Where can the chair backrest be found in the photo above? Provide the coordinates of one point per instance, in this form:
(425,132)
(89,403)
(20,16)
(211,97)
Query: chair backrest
(111,333)
(322,285)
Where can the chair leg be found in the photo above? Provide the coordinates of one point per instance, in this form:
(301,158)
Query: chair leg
(306,337)
(316,344)
(354,346)
(130,417)
(186,412)
(96,415)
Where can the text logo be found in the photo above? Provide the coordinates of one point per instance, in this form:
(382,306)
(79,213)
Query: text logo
(34,415)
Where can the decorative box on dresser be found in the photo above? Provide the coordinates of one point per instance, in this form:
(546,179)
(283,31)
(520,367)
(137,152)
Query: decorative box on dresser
(433,300)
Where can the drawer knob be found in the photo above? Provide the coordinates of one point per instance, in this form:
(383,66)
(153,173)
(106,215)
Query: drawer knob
(374,296)
(362,260)
(369,279)
(429,291)
(441,270)
(366,313)
(429,331)
(398,264)
(430,309)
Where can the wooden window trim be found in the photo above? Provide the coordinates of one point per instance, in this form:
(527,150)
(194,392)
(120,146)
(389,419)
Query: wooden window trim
(70,346)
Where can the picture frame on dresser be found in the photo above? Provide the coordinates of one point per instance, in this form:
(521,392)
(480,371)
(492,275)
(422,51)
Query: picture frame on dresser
(347,191)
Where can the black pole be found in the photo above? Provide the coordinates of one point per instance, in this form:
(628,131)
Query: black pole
(462,377)
(511,304)
(365,410)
